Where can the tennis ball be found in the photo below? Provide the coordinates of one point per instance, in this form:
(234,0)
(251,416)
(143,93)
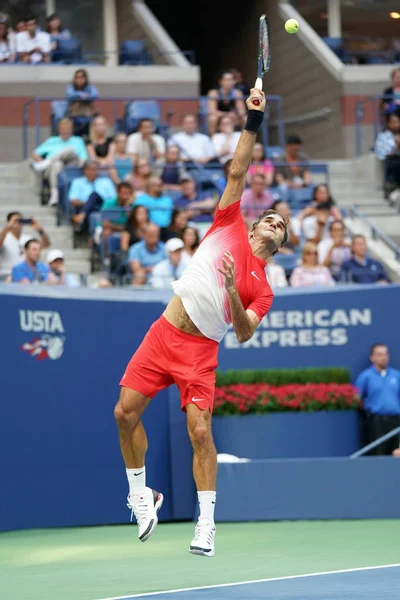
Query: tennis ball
(292,26)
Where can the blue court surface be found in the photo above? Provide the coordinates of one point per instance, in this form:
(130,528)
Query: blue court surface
(369,583)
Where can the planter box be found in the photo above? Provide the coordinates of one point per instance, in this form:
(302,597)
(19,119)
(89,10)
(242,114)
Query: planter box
(288,435)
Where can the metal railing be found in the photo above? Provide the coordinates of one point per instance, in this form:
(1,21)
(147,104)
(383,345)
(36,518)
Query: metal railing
(376,233)
(34,104)
(376,443)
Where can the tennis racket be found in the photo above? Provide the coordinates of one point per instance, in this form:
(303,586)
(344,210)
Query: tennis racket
(264,54)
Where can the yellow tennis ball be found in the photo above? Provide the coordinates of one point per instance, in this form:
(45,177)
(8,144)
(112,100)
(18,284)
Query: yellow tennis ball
(292,26)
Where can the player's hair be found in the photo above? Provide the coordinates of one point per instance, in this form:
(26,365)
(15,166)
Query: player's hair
(12,214)
(376,345)
(267,213)
(29,242)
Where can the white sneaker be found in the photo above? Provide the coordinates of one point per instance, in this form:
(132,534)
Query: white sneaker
(145,509)
(41,165)
(203,541)
(53,197)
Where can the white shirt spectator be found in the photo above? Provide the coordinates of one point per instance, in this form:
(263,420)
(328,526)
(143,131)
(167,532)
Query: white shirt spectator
(166,272)
(276,276)
(219,140)
(385,144)
(193,147)
(137,145)
(12,252)
(26,43)
(342,253)
(310,227)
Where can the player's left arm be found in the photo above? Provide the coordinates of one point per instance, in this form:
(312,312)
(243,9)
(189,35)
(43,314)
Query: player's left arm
(242,157)
(244,322)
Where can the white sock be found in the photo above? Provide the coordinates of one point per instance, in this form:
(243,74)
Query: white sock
(136,480)
(207,504)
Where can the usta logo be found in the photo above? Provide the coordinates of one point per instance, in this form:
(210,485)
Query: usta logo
(47,322)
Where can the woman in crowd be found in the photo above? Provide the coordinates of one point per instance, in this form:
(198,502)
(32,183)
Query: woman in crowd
(135,227)
(260,165)
(225,142)
(56,30)
(335,250)
(101,147)
(141,175)
(179,220)
(7,43)
(121,161)
(80,97)
(321,195)
(191,240)
(225,100)
(310,273)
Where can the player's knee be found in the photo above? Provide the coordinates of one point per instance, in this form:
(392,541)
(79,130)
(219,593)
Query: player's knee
(200,435)
(124,417)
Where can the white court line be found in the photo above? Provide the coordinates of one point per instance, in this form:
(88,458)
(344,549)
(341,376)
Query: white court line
(222,585)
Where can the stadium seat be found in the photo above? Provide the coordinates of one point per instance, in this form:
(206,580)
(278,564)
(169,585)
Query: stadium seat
(299,198)
(134,52)
(287,261)
(68,52)
(141,109)
(273,152)
(336,45)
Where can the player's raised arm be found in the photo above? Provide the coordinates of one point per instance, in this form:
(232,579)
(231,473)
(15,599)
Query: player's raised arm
(244,149)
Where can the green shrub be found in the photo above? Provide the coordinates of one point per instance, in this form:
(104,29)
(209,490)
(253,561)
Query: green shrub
(284,376)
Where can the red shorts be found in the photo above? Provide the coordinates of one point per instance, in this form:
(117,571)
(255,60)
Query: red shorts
(168,355)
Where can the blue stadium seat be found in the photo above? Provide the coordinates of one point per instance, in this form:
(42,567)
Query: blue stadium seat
(142,109)
(273,152)
(287,261)
(134,52)
(376,60)
(58,112)
(336,45)
(68,52)
(299,198)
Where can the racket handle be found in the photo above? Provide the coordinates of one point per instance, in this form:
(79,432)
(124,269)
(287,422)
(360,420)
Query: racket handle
(258,86)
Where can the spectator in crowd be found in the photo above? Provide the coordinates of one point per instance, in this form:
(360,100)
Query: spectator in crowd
(33,45)
(56,31)
(199,204)
(101,147)
(145,143)
(276,275)
(171,268)
(31,270)
(321,195)
(7,44)
(157,203)
(12,242)
(379,387)
(135,228)
(140,176)
(293,166)
(310,273)
(57,152)
(256,199)
(119,208)
(316,226)
(360,268)
(227,99)
(171,169)
(88,193)
(179,220)
(191,240)
(334,250)
(55,261)
(81,95)
(144,255)
(391,100)
(293,227)
(225,142)
(194,146)
(220,181)
(387,149)
(240,84)
(260,165)
(20,26)
(122,162)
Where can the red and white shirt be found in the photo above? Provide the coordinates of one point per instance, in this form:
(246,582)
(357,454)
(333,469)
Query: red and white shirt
(202,287)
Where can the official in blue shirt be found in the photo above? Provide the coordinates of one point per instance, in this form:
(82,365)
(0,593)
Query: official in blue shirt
(144,255)
(379,387)
(88,193)
(159,206)
(31,270)
(360,269)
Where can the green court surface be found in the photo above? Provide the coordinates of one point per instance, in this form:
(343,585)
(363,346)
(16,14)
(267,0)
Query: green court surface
(104,562)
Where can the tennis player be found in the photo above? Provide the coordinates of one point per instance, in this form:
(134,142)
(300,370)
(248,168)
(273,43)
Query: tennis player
(224,283)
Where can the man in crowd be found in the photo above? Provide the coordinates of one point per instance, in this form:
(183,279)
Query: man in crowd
(316,227)
(387,149)
(379,387)
(171,169)
(200,205)
(194,146)
(171,268)
(31,270)
(33,45)
(12,242)
(293,227)
(157,203)
(360,268)
(55,261)
(144,255)
(117,208)
(145,143)
(88,193)
(256,199)
(292,169)
(57,152)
